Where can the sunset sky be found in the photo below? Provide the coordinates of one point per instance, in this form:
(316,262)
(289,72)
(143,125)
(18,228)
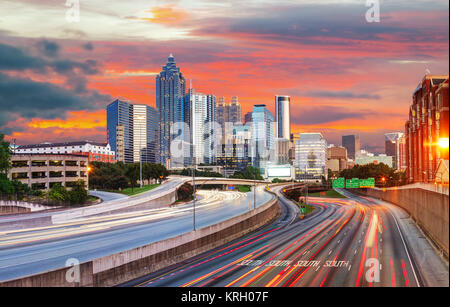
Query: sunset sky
(344,75)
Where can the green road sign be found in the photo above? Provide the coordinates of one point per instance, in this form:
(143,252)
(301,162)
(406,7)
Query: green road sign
(339,183)
(352,183)
(367,183)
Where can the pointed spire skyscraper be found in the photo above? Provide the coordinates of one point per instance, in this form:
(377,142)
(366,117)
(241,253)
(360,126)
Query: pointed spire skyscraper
(170,101)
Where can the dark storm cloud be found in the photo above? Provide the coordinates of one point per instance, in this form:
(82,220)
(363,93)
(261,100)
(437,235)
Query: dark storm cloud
(29,99)
(340,94)
(88,46)
(324,114)
(48,48)
(13,58)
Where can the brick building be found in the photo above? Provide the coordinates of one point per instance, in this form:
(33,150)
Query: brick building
(426,127)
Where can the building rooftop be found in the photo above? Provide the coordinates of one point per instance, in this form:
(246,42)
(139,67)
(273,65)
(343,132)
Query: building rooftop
(47,144)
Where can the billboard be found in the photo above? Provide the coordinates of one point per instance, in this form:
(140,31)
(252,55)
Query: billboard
(279,171)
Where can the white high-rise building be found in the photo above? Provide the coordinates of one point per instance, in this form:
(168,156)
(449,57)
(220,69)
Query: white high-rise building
(139,131)
(283,117)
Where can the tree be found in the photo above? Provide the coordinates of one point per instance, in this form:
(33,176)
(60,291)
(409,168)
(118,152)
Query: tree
(58,193)
(79,194)
(250,172)
(5,163)
(132,174)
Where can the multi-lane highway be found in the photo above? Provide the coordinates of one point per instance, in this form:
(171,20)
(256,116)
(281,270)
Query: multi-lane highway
(27,251)
(344,242)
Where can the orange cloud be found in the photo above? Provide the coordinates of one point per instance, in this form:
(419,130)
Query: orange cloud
(75,119)
(166,15)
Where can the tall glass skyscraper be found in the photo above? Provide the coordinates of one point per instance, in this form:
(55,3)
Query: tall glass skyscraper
(263,136)
(310,156)
(283,117)
(119,128)
(170,101)
(133,131)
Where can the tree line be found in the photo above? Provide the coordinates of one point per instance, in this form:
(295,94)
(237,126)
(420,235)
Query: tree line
(117,176)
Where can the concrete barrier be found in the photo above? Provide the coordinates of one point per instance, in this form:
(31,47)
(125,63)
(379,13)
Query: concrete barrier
(430,210)
(125,266)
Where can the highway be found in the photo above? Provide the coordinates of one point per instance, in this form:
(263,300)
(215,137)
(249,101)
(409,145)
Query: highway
(352,242)
(26,251)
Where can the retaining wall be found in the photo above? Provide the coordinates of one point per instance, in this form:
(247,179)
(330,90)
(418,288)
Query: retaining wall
(430,210)
(125,266)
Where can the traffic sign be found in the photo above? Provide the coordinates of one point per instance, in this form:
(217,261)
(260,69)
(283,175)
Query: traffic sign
(339,183)
(352,183)
(367,183)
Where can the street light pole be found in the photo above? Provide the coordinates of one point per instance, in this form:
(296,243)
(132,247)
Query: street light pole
(193,195)
(254,191)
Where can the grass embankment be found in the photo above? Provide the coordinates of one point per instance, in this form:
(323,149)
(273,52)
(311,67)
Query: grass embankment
(136,190)
(243,188)
(308,208)
(328,194)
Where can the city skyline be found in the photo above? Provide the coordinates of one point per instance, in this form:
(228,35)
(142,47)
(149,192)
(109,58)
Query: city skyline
(337,87)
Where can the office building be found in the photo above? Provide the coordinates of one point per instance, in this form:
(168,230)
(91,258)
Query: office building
(336,158)
(172,107)
(427,128)
(119,129)
(234,154)
(394,142)
(228,114)
(132,131)
(351,143)
(364,157)
(95,151)
(263,137)
(310,157)
(247,118)
(203,131)
(282,117)
(43,171)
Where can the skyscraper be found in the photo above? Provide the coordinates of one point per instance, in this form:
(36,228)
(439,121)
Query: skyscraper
(133,131)
(170,101)
(203,113)
(263,136)
(282,117)
(234,111)
(351,143)
(119,128)
(392,143)
(310,156)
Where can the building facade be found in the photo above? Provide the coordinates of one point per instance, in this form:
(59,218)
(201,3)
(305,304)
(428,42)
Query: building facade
(310,157)
(171,104)
(394,147)
(119,129)
(133,130)
(234,154)
(336,158)
(263,136)
(426,128)
(283,117)
(351,143)
(93,150)
(43,171)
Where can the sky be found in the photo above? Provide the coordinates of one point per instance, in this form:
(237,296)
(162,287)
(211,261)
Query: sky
(344,75)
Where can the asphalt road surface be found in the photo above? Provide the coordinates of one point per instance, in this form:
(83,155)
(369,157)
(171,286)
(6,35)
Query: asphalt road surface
(26,251)
(351,242)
